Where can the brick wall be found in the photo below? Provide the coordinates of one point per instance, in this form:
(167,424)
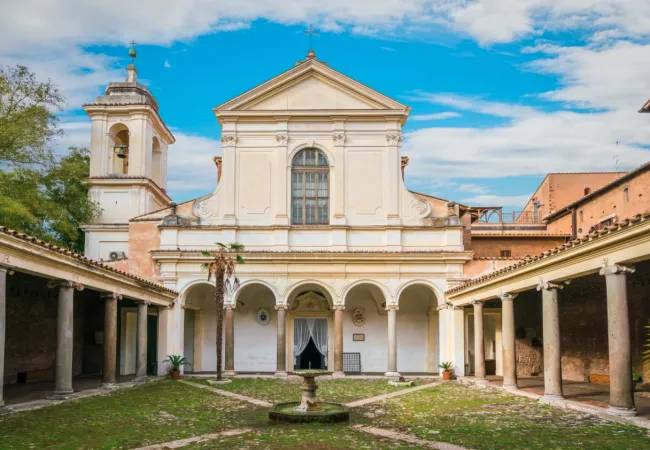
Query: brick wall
(518,246)
(30,343)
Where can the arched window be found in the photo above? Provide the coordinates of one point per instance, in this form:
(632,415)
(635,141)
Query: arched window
(587,191)
(119,134)
(582,217)
(156,162)
(310,188)
(626,195)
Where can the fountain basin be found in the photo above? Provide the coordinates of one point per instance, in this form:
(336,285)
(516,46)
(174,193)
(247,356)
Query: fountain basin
(327,413)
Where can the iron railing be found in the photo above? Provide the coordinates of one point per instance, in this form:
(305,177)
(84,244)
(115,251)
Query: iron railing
(497,215)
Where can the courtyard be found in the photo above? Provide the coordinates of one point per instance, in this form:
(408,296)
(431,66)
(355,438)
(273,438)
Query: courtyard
(191,414)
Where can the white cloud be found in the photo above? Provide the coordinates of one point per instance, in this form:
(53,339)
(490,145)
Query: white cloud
(190,168)
(471,187)
(516,201)
(388,49)
(436,116)
(167,65)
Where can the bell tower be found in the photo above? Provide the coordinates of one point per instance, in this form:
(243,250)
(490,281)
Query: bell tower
(128,162)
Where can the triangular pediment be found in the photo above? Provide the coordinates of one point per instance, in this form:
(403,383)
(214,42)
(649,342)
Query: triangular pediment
(312,86)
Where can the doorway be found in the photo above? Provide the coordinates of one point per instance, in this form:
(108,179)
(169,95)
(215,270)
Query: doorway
(310,344)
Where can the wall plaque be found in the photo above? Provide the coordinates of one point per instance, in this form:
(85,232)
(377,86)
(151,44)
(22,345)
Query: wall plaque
(263,317)
(358,337)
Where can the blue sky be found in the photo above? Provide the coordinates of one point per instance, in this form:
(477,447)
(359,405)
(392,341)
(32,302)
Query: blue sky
(502,91)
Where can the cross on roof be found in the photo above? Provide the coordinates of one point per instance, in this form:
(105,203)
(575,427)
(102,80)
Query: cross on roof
(311,32)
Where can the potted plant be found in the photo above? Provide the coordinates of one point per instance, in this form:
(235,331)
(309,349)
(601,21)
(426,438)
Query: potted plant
(175,364)
(447,368)
(636,378)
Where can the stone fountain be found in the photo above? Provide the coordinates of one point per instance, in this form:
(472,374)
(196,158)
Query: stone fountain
(309,409)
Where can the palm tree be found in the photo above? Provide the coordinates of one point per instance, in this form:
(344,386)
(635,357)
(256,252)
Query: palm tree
(222,269)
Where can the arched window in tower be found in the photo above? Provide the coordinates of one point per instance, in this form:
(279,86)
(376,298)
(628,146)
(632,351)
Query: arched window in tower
(310,188)
(156,162)
(119,134)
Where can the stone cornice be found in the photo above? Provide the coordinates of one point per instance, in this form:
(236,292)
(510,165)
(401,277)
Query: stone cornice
(117,180)
(379,257)
(92,109)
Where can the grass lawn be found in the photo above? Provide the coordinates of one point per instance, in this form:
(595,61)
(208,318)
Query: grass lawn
(277,390)
(489,419)
(167,411)
(157,412)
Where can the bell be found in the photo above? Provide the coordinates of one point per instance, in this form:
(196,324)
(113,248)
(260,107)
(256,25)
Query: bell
(121,151)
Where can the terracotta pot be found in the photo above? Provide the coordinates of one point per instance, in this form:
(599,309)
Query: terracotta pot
(175,374)
(446,375)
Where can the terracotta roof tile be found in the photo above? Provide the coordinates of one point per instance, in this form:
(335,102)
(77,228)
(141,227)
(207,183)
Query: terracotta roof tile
(81,258)
(554,251)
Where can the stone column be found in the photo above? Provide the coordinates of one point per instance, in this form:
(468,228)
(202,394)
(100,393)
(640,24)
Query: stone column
(229,369)
(338,341)
(552,344)
(508,338)
(621,395)
(392,340)
(109,372)
(64,338)
(3,318)
(281,341)
(141,343)
(479,345)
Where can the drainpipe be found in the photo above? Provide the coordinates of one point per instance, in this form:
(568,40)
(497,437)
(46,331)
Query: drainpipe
(574,224)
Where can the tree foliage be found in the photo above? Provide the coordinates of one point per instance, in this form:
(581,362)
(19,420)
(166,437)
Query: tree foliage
(221,268)
(27,119)
(49,202)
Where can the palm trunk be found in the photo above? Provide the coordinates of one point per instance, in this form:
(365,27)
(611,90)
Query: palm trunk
(218,297)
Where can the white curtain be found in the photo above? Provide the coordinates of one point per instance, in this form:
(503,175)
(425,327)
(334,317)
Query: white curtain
(318,332)
(300,338)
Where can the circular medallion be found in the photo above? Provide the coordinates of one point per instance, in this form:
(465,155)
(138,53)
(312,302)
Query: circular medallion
(263,317)
(358,317)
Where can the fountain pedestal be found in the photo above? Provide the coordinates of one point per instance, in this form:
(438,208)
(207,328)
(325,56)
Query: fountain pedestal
(309,410)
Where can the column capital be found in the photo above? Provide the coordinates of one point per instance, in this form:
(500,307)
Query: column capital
(65,283)
(392,307)
(110,295)
(281,306)
(6,269)
(547,286)
(338,307)
(477,302)
(507,297)
(616,269)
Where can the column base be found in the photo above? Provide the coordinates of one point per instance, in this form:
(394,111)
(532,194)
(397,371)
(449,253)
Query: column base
(338,374)
(510,387)
(281,374)
(108,386)
(392,374)
(141,379)
(61,395)
(228,373)
(551,398)
(621,412)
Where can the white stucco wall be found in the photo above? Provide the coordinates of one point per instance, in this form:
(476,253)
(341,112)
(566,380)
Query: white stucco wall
(255,345)
(374,350)
(412,328)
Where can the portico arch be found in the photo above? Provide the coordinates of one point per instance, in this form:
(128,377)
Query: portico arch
(418,327)
(255,326)
(365,314)
(309,285)
(198,324)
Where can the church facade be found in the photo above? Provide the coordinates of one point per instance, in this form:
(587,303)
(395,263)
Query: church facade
(345,268)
